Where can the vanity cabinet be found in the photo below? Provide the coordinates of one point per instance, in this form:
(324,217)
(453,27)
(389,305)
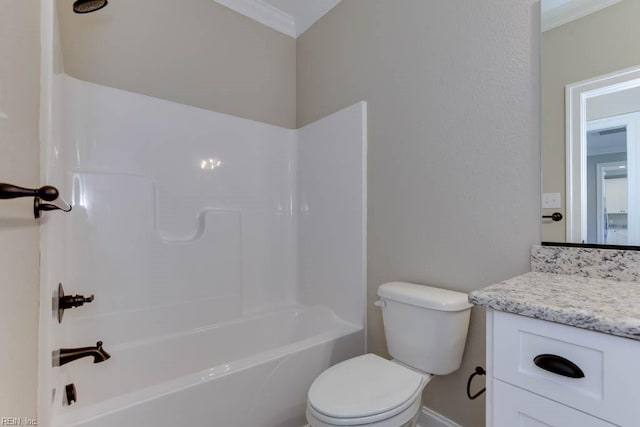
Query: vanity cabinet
(617,196)
(617,237)
(518,407)
(590,379)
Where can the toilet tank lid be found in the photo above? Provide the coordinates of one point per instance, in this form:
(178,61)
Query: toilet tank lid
(424,296)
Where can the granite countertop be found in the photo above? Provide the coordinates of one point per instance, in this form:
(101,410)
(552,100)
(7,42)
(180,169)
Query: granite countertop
(602,305)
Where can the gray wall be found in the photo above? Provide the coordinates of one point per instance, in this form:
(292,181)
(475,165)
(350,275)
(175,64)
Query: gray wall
(454,153)
(195,52)
(19,237)
(600,43)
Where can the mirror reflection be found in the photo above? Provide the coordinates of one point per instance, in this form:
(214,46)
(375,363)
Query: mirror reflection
(591,118)
(608,185)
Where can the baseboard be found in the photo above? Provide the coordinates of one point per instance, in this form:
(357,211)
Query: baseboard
(430,418)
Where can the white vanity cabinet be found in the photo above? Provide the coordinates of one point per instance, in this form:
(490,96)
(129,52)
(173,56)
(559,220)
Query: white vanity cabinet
(604,389)
(617,195)
(617,237)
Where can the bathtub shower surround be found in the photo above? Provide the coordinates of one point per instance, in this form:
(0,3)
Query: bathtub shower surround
(227,259)
(252,371)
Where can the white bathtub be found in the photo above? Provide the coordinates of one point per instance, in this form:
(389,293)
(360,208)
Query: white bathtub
(249,372)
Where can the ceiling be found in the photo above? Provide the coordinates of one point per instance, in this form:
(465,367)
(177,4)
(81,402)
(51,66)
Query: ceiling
(291,17)
(606,142)
(560,12)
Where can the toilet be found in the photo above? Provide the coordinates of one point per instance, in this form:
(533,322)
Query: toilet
(426,329)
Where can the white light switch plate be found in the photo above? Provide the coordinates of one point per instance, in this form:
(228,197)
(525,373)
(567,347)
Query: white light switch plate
(551,201)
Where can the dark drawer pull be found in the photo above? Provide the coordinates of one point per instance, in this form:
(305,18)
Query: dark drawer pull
(558,365)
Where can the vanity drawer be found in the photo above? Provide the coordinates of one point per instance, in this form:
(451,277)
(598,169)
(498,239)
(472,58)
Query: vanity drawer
(610,365)
(516,407)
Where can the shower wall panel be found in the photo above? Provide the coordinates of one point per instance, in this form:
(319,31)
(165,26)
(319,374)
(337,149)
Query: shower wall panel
(176,209)
(332,176)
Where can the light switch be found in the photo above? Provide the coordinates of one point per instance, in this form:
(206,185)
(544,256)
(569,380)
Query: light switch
(551,201)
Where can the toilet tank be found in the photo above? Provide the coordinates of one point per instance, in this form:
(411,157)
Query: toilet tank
(425,327)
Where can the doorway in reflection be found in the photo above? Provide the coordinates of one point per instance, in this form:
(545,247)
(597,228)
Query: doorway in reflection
(612,211)
(607,185)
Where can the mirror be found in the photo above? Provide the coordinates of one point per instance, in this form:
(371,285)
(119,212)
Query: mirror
(591,121)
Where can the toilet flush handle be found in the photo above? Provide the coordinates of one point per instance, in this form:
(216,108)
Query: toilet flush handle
(380,303)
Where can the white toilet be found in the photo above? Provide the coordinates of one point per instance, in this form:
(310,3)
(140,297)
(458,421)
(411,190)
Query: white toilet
(426,329)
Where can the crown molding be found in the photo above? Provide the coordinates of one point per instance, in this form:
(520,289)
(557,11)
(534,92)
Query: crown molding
(571,11)
(263,13)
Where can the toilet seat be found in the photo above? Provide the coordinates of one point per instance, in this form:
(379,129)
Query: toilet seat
(366,390)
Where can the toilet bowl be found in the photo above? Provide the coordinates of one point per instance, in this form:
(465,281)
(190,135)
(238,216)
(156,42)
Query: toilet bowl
(426,329)
(366,390)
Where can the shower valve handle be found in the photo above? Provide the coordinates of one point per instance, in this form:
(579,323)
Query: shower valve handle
(72,301)
(10,191)
(66,302)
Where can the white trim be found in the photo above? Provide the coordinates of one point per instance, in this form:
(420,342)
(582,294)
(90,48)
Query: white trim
(577,95)
(600,206)
(488,379)
(633,176)
(365,215)
(264,13)
(46,376)
(571,11)
(430,418)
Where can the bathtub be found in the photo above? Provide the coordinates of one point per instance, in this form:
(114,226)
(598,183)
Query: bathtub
(254,371)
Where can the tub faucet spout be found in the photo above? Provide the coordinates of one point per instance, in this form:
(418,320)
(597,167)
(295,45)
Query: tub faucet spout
(66,355)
